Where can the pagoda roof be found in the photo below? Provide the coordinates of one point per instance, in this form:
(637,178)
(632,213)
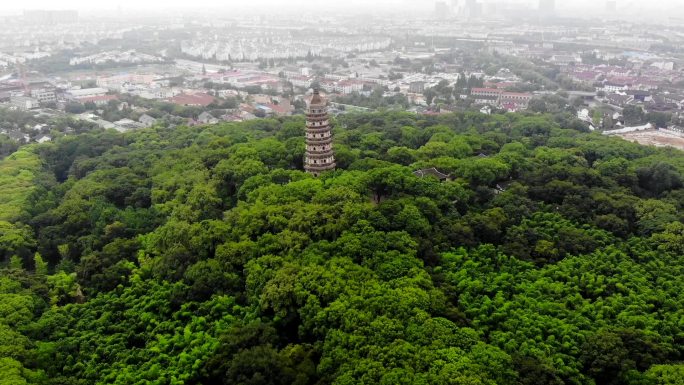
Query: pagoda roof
(316,99)
(431,172)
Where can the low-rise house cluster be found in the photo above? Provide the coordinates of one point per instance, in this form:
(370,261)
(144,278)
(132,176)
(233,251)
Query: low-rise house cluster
(510,101)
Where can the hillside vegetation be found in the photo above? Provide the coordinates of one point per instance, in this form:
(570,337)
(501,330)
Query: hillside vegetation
(205,255)
(17,173)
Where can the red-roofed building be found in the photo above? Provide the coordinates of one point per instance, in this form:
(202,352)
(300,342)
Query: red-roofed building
(192,100)
(647,84)
(247,108)
(584,76)
(486,95)
(479,93)
(497,97)
(280,109)
(520,99)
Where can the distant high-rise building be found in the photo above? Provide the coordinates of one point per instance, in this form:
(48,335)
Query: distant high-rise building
(611,6)
(467,8)
(442,9)
(320,156)
(456,6)
(547,6)
(474,8)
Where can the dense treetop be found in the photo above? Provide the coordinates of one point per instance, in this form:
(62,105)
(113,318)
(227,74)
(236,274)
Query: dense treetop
(205,255)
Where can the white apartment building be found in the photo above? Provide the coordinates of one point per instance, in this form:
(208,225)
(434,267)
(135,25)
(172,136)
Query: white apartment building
(87,93)
(44,95)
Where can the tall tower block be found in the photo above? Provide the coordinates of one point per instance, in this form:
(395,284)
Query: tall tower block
(320,156)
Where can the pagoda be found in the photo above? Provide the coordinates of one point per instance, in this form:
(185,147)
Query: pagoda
(319,149)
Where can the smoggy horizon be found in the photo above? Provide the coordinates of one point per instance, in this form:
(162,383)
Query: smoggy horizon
(643,11)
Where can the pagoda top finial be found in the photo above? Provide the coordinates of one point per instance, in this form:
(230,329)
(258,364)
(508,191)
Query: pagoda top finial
(316,99)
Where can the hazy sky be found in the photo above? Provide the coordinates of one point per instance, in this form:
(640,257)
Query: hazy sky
(150,4)
(588,6)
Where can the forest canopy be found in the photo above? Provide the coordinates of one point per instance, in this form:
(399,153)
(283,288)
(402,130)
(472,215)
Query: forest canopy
(205,255)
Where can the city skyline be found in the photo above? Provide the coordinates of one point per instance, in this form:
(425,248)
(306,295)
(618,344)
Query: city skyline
(358,5)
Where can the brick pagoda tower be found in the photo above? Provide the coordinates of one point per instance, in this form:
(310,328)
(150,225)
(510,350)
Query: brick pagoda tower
(319,149)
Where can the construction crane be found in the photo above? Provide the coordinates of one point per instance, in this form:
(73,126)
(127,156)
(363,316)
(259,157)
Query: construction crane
(21,75)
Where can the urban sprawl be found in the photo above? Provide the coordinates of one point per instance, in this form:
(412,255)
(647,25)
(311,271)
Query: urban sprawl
(63,73)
